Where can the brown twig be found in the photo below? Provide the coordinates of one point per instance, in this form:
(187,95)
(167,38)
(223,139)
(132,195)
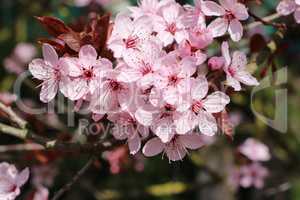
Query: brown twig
(13,116)
(77,176)
(267,21)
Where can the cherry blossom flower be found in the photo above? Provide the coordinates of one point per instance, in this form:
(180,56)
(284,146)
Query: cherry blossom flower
(148,7)
(11,181)
(197,108)
(128,34)
(255,150)
(287,7)
(216,63)
(84,73)
(169,24)
(126,127)
(230,13)
(187,51)
(176,149)
(141,65)
(252,175)
(48,70)
(235,69)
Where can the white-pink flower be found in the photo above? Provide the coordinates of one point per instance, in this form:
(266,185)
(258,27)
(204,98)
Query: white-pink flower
(169,24)
(235,69)
(48,70)
(255,150)
(129,35)
(11,181)
(126,127)
(252,175)
(287,7)
(176,149)
(85,73)
(197,108)
(230,13)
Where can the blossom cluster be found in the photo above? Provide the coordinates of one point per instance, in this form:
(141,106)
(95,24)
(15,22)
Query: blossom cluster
(253,173)
(157,87)
(287,7)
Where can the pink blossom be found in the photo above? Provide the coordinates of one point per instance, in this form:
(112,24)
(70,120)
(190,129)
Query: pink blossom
(169,24)
(11,181)
(148,7)
(185,50)
(230,13)
(255,150)
(216,63)
(41,193)
(252,175)
(176,149)
(197,108)
(287,7)
(235,69)
(141,65)
(49,71)
(126,127)
(85,73)
(129,35)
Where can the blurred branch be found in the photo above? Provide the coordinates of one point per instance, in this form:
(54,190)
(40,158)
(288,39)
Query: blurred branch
(19,133)
(265,21)
(77,176)
(13,116)
(20,147)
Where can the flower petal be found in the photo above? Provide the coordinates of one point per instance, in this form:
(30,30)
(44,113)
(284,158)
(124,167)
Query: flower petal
(153,147)
(218,27)
(235,30)
(210,8)
(50,55)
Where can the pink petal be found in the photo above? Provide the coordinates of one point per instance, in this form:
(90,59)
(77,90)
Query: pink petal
(228,4)
(191,141)
(207,124)
(216,63)
(71,66)
(297,15)
(176,152)
(185,123)
(144,117)
(23,177)
(231,81)
(199,88)
(239,60)
(210,8)
(49,90)
(226,54)
(171,13)
(218,27)
(246,78)
(88,52)
(50,55)
(235,30)
(216,102)
(134,144)
(73,89)
(163,128)
(40,70)
(153,147)
(286,7)
(240,11)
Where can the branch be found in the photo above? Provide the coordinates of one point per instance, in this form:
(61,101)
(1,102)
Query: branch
(19,133)
(79,174)
(267,21)
(20,147)
(13,116)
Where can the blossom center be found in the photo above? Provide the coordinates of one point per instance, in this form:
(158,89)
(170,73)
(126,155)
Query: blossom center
(114,85)
(229,15)
(146,69)
(130,42)
(173,80)
(231,71)
(197,106)
(88,73)
(172,28)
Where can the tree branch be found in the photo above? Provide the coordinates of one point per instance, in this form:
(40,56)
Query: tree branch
(19,133)
(267,21)
(79,174)
(13,116)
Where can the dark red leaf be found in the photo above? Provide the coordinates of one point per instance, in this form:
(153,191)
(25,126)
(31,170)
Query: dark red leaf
(54,26)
